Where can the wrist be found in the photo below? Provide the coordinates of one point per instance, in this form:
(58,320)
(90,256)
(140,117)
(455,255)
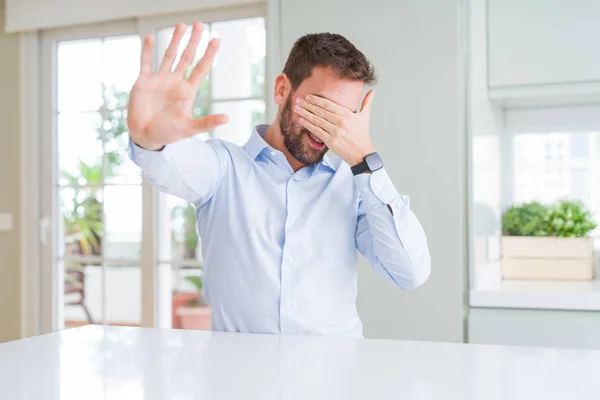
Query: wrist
(146,145)
(360,157)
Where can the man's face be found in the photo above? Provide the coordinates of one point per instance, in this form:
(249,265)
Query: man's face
(302,145)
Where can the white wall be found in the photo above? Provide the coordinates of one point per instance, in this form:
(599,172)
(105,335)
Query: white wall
(418,128)
(535,42)
(26,15)
(10,201)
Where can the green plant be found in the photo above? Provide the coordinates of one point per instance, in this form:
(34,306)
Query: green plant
(198,284)
(186,215)
(83,217)
(524,220)
(82,213)
(568,218)
(565,218)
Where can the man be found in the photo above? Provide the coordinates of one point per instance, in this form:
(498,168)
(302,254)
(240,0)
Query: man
(281,221)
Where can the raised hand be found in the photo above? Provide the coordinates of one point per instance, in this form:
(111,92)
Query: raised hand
(344,132)
(160,104)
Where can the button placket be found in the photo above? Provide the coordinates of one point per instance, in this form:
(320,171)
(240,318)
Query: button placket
(287,264)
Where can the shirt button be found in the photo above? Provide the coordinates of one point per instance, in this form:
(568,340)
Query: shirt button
(377,187)
(293,218)
(142,156)
(273,154)
(365,189)
(290,259)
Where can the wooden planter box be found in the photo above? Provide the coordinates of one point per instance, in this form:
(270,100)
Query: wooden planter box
(547,258)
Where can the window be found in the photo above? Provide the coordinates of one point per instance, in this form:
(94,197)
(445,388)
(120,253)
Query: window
(552,166)
(98,186)
(539,154)
(118,252)
(235,86)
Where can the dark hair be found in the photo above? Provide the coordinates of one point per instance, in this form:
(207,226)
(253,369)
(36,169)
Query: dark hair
(327,50)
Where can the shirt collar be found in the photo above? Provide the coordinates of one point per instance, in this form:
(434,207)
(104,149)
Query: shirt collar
(329,162)
(256,144)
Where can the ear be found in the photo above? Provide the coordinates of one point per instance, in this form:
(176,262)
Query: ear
(281,89)
(368,101)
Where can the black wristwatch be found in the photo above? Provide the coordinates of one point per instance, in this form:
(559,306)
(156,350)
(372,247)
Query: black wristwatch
(371,163)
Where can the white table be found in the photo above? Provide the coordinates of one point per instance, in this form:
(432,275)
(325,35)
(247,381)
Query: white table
(134,363)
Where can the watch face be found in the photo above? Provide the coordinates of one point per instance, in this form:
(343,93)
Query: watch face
(374,162)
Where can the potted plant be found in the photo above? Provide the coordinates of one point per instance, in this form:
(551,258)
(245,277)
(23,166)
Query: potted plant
(547,242)
(195,314)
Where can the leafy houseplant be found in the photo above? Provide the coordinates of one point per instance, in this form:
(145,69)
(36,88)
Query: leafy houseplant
(548,242)
(524,220)
(83,216)
(83,210)
(568,219)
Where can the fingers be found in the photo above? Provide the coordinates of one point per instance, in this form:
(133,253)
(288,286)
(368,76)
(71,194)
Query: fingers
(316,130)
(329,116)
(190,50)
(147,51)
(315,119)
(203,66)
(206,124)
(368,101)
(171,53)
(328,105)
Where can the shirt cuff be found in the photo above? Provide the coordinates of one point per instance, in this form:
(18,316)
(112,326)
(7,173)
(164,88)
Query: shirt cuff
(146,159)
(376,188)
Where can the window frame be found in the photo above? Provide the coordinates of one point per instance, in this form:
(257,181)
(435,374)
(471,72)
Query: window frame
(42,310)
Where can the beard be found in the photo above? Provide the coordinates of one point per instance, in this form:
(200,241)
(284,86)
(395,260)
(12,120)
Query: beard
(293,137)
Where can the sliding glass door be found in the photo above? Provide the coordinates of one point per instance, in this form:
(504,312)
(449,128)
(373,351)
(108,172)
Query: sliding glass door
(114,251)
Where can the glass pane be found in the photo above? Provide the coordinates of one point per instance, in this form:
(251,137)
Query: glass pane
(243,118)
(179,239)
(239,67)
(119,169)
(124,295)
(82,227)
(186,308)
(163,38)
(552,166)
(80,72)
(123,222)
(84,302)
(79,149)
(121,62)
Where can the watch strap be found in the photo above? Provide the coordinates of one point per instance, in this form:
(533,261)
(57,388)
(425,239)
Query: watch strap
(360,168)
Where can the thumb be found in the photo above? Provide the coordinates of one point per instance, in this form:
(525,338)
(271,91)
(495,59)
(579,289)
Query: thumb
(368,101)
(206,124)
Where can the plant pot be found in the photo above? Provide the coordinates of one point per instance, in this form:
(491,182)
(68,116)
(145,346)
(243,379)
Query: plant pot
(180,300)
(198,318)
(547,258)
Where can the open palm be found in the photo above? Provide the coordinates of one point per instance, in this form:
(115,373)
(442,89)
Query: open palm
(160,105)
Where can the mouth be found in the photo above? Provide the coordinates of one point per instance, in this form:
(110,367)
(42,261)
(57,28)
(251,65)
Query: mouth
(315,141)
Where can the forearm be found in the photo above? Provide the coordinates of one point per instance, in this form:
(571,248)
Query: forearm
(189,169)
(392,237)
